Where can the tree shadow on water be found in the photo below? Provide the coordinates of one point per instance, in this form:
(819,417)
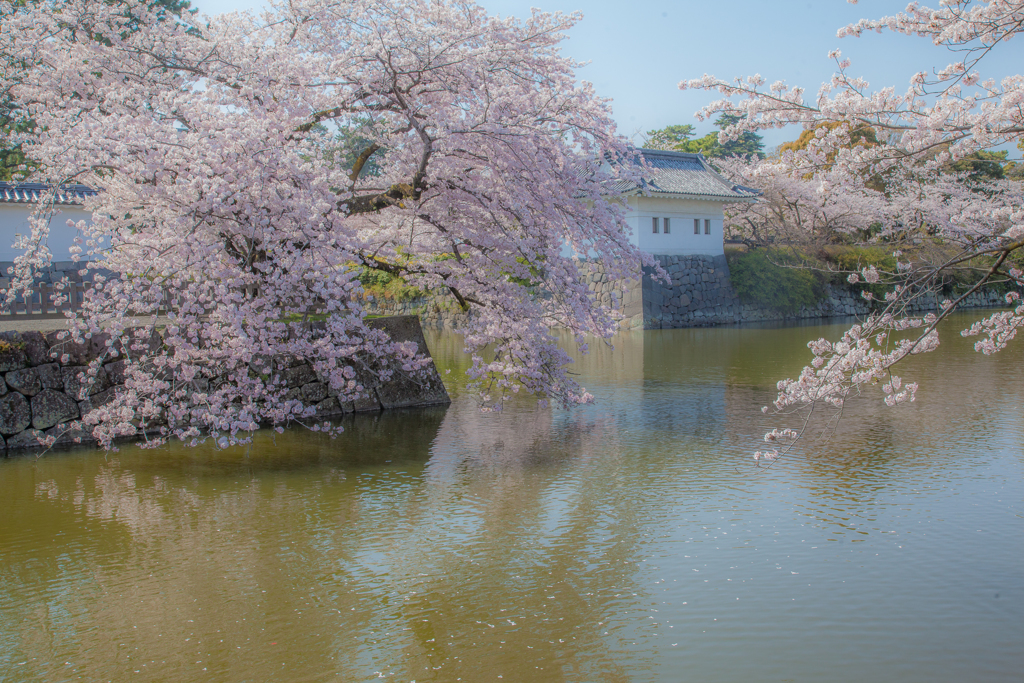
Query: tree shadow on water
(368,441)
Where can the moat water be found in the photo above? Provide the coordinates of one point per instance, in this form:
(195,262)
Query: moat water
(630,540)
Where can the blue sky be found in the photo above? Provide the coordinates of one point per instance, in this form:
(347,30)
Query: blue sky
(638,51)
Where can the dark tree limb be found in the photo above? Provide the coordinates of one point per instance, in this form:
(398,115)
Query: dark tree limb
(361,160)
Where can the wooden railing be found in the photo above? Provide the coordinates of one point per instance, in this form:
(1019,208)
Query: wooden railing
(40,303)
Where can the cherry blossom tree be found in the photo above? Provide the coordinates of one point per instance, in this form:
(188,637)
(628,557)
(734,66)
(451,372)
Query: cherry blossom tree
(807,212)
(221,202)
(901,184)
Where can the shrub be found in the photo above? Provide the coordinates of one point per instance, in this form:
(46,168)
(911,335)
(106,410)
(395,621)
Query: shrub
(383,285)
(954,281)
(776,279)
(853,259)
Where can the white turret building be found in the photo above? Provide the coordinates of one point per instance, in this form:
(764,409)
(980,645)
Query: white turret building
(679,208)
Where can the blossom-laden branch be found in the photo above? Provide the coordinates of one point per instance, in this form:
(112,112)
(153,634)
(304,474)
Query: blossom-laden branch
(950,114)
(208,140)
(947,227)
(876,167)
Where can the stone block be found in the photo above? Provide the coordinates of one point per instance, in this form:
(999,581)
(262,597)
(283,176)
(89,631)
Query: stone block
(298,376)
(24,440)
(367,403)
(79,385)
(36,349)
(402,328)
(24,381)
(115,371)
(15,413)
(313,392)
(50,376)
(329,407)
(51,407)
(12,357)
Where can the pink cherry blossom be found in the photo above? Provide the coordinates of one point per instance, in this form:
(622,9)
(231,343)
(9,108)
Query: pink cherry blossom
(898,192)
(221,205)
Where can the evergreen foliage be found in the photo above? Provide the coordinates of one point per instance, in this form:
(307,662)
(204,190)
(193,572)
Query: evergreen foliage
(678,138)
(748,144)
(669,137)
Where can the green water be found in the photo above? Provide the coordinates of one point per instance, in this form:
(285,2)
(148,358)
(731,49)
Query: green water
(631,540)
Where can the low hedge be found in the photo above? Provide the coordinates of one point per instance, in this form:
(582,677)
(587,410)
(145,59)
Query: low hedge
(783,280)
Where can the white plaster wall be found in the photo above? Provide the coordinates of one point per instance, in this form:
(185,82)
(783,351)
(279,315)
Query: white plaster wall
(681,213)
(632,218)
(14,220)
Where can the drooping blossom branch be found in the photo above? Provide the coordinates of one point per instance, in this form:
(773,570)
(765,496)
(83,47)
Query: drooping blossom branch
(875,167)
(950,114)
(221,205)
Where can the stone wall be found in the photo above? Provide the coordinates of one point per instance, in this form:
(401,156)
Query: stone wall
(441,311)
(625,299)
(44,388)
(700,295)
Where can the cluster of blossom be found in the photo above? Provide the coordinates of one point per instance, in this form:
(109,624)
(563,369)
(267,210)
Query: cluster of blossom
(222,205)
(867,352)
(775,436)
(809,201)
(999,329)
(864,355)
(797,208)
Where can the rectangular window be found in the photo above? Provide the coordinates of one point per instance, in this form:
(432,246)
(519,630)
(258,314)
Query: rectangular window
(666,223)
(654,225)
(696,226)
(707,226)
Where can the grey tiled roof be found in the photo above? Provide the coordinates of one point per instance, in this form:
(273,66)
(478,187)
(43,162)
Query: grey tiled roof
(29,193)
(690,175)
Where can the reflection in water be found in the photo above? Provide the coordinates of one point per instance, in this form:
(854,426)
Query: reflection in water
(631,540)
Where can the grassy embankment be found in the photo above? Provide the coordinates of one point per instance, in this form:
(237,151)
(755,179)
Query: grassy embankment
(787,279)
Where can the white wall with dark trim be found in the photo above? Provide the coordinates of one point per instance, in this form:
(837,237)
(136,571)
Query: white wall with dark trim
(680,240)
(14,221)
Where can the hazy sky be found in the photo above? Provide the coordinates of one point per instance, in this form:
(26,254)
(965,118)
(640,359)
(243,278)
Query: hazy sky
(639,50)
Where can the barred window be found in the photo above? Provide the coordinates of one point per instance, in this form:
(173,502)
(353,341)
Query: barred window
(707,226)
(654,225)
(696,226)
(665,222)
